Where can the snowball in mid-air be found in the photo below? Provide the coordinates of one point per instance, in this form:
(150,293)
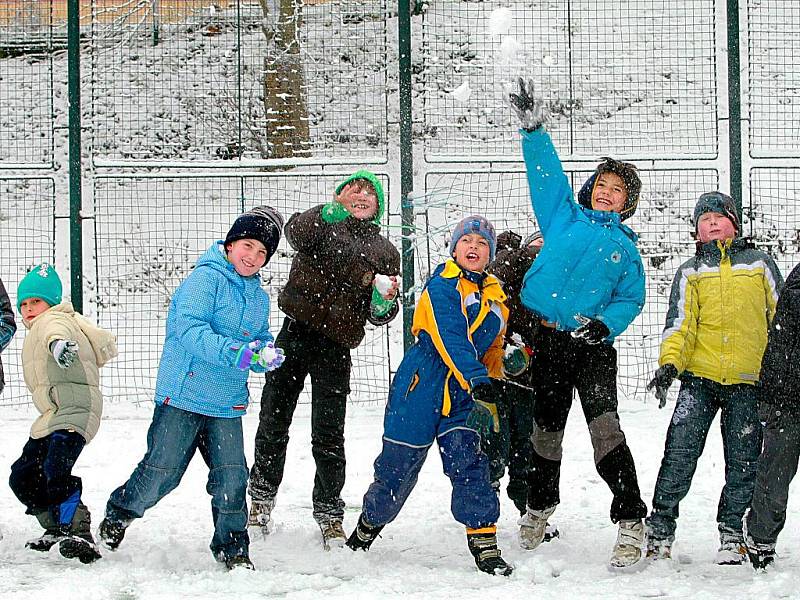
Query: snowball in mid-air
(462,92)
(510,49)
(500,21)
(548,60)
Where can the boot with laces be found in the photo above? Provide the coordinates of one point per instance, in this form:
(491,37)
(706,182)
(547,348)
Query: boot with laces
(483,547)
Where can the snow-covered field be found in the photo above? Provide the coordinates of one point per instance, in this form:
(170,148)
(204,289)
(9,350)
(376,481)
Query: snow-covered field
(422,554)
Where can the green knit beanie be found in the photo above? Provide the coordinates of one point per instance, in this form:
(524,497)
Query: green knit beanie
(42,282)
(369,176)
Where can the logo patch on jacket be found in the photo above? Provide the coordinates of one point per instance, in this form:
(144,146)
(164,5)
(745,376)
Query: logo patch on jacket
(616,256)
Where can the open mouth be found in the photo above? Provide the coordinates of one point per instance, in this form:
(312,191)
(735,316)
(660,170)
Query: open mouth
(472,256)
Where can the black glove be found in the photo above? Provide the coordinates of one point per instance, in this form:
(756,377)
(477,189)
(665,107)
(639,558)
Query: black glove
(508,240)
(663,378)
(531,111)
(591,331)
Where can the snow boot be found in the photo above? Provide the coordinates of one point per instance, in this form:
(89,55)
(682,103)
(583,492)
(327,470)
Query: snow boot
(333,535)
(762,556)
(261,515)
(482,545)
(658,549)
(111,533)
(732,549)
(239,562)
(363,535)
(52,533)
(533,527)
(628,548)
(78,541)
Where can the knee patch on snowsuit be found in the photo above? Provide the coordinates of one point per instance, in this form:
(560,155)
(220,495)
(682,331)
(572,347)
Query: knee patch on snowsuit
(606,435)
(547,444)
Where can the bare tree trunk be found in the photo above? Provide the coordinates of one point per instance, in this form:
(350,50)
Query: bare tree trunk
(287,132)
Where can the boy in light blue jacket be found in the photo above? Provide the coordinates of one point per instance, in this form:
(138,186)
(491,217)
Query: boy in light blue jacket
(217,332)
(586,286)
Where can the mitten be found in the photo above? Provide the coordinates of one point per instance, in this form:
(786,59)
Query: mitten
(531,112)
(247,354)
(334,212)
(663,378)
(591,331)
(64,351)
(515,361)
(270,357)
(485,414)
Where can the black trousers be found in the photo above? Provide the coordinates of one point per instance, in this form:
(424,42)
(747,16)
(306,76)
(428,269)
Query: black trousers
(328,363)
(42,477)
(563,364)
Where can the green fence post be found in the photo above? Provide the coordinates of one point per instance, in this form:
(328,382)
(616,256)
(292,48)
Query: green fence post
(734,102)
(406,167)
(74,95)
(156,23)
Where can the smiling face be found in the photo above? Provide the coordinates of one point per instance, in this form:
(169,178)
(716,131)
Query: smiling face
(360,199)
(715,226)
(247,256)
(472,252)
(32,308)
(609,193)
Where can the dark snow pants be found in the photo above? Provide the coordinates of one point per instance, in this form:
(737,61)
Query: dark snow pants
(328,363)
(698,402)
(563,364)
(42,477)
(777,466)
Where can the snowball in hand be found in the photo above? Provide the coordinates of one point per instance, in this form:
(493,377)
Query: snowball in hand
(383,283)
(462,92)
(500,21)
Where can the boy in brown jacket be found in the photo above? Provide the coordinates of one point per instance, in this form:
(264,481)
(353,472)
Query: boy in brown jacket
(61,357)
(344,273)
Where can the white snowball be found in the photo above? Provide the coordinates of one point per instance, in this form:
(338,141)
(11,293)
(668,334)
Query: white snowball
(462,92)
(500,21)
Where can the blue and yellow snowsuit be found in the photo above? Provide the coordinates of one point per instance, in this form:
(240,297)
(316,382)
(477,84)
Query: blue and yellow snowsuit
(459,323)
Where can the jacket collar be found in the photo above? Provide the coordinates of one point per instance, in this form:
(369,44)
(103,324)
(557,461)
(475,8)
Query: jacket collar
(489,284)
(610,219)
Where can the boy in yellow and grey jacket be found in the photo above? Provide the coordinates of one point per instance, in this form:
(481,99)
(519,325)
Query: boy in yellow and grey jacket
(721,304)
(61,357)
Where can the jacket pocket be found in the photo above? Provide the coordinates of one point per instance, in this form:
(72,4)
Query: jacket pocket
(413,384)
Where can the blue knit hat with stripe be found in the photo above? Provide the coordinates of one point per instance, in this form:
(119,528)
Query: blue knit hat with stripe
(474,224)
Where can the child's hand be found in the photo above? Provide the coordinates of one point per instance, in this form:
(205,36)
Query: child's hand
(591,331)
(387,286)
(531,112)
(245,355)
(270,357)
(663,378)
(65,352)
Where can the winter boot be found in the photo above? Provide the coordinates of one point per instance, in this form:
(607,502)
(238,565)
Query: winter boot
(533,527)
(261,515)
(363,535)
(732,549)
(111,533)
(239,562)
(52,533)
(78,541)
(333,535)
(762,556)
(482,545)
(628,549)
(658,549)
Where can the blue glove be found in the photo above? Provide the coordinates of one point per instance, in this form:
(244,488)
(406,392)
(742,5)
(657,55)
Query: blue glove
(65,352)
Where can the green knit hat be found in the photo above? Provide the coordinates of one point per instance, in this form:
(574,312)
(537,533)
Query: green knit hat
(42,282)
(369,176)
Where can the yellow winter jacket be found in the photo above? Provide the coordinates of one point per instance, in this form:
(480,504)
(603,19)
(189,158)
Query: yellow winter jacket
(720,307)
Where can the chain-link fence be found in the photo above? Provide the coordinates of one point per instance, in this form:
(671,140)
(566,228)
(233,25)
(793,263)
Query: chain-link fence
(196,109)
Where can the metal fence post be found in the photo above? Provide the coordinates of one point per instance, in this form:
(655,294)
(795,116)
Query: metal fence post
(74,94)
(734,102)
(406,168)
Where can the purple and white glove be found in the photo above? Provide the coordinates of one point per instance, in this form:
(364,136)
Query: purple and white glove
(65,352)
(270,357)
(248,355)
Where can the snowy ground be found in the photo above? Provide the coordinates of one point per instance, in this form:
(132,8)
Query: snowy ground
(422,554)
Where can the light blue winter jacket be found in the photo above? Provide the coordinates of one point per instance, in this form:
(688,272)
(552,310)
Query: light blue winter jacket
(213,312)
(589,264)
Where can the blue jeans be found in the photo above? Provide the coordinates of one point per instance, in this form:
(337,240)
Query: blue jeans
(698,401)
(172,440)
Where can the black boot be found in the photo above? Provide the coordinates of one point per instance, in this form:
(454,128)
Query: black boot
(483,546)
(111,533)
(78,541)
(52,533)
(363,535)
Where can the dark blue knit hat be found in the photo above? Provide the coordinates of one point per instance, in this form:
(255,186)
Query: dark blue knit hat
(262,223)
(474,224)
(717,202)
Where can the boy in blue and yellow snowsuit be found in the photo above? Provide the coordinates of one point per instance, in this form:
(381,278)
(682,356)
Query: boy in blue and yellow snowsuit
(442,388)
